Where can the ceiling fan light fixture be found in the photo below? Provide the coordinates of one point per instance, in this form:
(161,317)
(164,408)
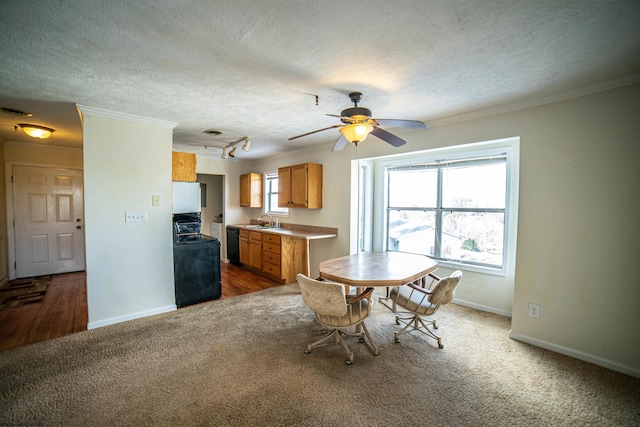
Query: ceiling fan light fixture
(356,133)
(36,131)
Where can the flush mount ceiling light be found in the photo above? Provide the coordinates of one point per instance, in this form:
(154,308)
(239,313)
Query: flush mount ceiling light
(36,131)
(213,132)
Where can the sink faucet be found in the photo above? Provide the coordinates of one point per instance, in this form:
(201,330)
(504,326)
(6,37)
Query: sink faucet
(270,220)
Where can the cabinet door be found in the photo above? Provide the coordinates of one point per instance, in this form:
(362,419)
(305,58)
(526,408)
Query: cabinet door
(183,167)
(245,251)
(251,190)
(256,249)
(245,190)
(284,187)
(299,185)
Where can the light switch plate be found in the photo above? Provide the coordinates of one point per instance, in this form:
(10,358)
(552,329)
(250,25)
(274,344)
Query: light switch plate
(135,217)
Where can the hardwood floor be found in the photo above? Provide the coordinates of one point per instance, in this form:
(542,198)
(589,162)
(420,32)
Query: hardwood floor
(64,309)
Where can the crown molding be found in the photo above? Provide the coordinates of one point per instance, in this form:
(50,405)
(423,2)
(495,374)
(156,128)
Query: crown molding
(85,110)
(556,97)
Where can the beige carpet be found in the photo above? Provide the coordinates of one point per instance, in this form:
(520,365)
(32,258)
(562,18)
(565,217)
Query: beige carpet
(240,362)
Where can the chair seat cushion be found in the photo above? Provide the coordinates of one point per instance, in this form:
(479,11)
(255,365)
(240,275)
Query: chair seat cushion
(412,300)
(356,313)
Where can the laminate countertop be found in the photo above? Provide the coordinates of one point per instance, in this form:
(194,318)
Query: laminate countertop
(307,232)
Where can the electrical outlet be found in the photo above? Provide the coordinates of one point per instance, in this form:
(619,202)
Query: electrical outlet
(155,200)
(534,310)
(135,217)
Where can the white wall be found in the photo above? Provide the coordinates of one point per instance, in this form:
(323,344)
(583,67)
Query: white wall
(127,160)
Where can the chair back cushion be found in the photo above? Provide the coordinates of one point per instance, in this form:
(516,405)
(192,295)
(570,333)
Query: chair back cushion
(444,291)
(324,298)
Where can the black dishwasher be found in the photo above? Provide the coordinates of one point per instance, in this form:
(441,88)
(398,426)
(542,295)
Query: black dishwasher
(233,245)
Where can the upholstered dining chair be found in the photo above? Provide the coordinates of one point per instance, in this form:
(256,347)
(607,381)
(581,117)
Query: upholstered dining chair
(337,312)
(414,302)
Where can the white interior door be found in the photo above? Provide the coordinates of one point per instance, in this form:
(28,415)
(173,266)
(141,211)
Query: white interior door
(49,220)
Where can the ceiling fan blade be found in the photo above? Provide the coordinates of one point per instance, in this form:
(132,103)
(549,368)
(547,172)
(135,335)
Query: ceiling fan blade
(345,119)
(388,137)
(340,143)
(315,131)
(414,124)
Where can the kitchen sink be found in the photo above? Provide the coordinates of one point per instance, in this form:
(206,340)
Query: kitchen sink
(258,226)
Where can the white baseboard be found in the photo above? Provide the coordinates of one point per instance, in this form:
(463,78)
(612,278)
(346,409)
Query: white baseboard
(605,363)
(138,315)
(482,307)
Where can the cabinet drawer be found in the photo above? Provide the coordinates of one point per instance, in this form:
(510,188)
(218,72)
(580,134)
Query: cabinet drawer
(271,238)
(271,269)
(271,258)
(270,247)
(244,233)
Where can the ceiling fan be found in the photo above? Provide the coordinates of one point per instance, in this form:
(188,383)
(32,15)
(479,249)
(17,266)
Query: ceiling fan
(357,123)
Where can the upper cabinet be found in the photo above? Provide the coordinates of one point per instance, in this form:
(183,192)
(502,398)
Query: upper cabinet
(251,190)
(300,186)
(183,167)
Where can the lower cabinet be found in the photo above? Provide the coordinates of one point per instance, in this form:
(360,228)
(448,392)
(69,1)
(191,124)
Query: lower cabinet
(277,257)
(271,255)
(251,249)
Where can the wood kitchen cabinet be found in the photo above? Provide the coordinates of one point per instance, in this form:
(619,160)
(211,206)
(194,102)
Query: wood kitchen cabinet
(183,167)
(279,258)
(300,186)
(251,249)
(251,190)
(271,254)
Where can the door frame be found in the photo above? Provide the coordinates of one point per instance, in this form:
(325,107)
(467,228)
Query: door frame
(11,235)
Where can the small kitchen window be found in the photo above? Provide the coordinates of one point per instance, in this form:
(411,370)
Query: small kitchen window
(271,195)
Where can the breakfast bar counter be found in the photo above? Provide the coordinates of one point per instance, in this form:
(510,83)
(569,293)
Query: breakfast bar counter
(279,253)
(308,232)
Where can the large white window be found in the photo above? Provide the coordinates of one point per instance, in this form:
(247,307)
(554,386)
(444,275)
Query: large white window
(454,208)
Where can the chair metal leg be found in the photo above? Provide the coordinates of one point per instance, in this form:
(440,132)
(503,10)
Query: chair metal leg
(321,341)
(337,335)
(370,343)
(384,301)
(417,324)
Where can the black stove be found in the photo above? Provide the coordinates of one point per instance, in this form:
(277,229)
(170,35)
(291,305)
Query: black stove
(196,261)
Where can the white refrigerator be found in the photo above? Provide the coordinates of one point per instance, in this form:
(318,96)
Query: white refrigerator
(186,197)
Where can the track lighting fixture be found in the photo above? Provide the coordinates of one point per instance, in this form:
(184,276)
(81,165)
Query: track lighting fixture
(233,146)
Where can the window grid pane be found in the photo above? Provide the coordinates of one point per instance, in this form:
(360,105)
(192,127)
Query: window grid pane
(480,186)
(451,211)
(405,185)
(272,194)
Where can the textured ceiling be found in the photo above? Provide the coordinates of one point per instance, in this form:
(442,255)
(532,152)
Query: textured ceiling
(253,68)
